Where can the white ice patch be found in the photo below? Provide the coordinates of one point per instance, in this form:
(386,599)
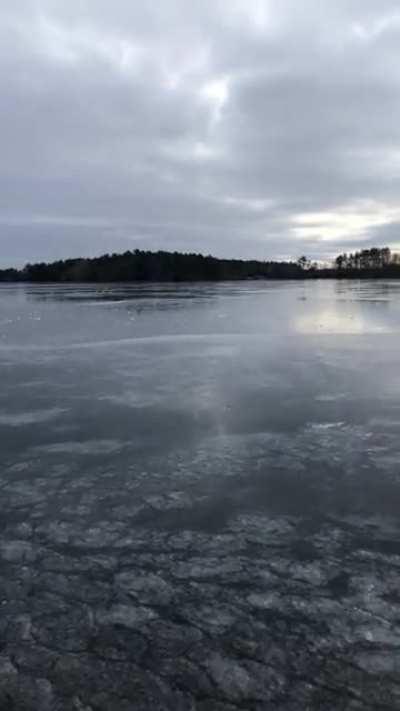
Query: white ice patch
(332,397)
(30,418)
(94,446)
(325,425)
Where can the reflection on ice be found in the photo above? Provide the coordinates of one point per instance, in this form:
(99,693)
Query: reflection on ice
(338,321)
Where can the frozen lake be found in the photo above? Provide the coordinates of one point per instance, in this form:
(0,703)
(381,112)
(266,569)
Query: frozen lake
(200,495)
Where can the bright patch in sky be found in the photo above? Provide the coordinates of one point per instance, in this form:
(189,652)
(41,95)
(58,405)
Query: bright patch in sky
(329,226)
(216,92)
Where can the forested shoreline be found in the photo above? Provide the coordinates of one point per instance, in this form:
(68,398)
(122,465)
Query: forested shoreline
(142,266)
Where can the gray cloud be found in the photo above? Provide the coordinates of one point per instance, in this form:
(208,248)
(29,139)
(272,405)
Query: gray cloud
(240,128)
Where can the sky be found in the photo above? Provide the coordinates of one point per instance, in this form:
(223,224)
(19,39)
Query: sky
(239,128)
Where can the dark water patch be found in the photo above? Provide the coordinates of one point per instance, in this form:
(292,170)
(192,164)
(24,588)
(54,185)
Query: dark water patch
(339,585)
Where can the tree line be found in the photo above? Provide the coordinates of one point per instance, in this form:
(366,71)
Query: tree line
(152,266)
(366,259)
(145,266)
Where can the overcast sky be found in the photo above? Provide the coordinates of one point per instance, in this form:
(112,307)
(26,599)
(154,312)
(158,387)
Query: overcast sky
(233,127)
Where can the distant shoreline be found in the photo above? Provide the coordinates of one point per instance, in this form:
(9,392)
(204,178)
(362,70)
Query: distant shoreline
(176,267)
(71,282)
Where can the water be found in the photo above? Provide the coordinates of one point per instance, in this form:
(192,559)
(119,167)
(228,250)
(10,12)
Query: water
(229,451)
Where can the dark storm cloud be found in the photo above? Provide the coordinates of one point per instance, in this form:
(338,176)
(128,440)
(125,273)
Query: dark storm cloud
(241,128)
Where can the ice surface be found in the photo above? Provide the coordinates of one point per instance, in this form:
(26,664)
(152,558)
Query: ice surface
(200,512)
